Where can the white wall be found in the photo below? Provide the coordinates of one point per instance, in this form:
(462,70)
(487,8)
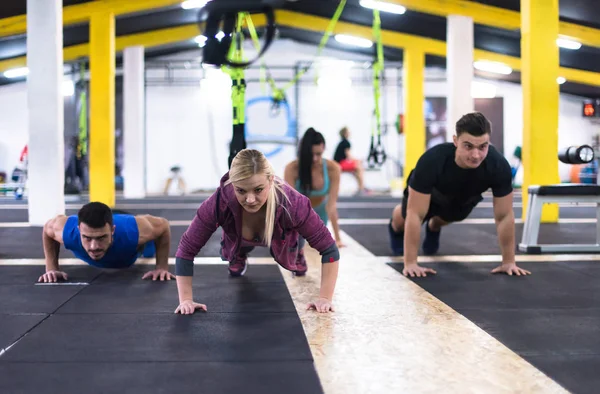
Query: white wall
(13,125)
(327,109)
(190,125)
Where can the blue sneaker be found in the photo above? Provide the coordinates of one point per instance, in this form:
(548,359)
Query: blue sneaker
(431,244)
(396,240)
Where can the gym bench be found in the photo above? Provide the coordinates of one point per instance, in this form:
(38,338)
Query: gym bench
(561,193)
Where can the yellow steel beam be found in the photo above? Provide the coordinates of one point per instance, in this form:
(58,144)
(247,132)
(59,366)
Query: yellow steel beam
(496,17)
(407,41)
(102,107)
(413,75)
(540,99)
(81,13)
(309,23)
(147,40)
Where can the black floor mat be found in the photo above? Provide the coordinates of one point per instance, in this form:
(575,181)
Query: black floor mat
(121,327)
(21,215)
(27,275)
(290,377)
(374,212)
(32,298)
(170,337)
(472,239)
(259,291)
(549,318)
(26,243)
(14,327)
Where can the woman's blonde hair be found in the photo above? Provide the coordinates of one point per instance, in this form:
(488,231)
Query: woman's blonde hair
(249,162)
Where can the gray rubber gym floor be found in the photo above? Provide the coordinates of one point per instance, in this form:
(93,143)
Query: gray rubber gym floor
(70,338)
(549,318)
(114,333)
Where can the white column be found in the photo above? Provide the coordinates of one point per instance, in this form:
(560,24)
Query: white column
(459,69)
(134,132)
(46,169)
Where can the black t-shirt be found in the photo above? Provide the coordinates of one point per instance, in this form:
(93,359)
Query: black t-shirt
(340,151)
(437,174)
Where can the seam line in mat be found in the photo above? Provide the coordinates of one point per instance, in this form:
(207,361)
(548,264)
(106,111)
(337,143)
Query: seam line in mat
(5,350)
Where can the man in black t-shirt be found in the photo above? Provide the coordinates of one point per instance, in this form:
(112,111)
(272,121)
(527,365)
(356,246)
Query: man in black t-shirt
(445,186)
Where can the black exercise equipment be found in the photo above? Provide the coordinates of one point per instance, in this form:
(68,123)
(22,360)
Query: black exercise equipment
(576,154)
(216,50)
(561,193)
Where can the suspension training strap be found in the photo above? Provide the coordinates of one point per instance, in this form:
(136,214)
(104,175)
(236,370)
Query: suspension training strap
(279,93)
(238,92)
(377,154)
(83,129)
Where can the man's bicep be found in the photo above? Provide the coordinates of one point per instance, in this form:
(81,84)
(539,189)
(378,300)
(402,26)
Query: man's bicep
(418,202)
(54,228)
(150,227)
(503,205)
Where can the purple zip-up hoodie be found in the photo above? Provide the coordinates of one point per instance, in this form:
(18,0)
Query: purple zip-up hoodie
(223,209)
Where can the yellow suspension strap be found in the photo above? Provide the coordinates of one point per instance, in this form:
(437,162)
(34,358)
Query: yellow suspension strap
(377,154)
(238,91)
(278,95)
(82,137)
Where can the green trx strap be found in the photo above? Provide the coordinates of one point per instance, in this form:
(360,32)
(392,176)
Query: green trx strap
(278,94)
(83,129)
(238,92)
(377,154)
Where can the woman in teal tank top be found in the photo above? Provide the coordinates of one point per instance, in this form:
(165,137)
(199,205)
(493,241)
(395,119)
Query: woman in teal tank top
(317,178)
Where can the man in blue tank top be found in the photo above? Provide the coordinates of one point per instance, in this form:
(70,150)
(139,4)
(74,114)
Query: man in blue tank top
(105,239)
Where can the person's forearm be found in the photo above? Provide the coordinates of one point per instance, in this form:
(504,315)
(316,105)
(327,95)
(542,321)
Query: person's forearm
(506,237)
(51,251)
(163,244)
(333,216)
(184,288)
(412,237)
(329,274)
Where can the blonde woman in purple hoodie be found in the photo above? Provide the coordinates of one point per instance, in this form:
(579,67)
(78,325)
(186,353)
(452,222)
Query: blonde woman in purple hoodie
(256,208)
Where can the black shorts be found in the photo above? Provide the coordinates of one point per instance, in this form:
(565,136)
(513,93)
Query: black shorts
(448,213)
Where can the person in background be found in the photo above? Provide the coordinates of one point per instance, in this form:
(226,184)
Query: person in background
(347,162)
(318,179)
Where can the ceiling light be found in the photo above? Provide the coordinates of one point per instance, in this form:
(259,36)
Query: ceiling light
(190,4)
(567,44)
(356,41)
(383,6)
(561,80)
(493,67)
(200,40)
(16,72)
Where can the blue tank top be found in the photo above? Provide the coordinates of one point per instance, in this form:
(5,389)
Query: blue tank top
(122,253)
(325,190)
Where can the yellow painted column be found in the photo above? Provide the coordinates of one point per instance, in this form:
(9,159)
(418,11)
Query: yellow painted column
(539,70)
(102,108)
(413,94)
